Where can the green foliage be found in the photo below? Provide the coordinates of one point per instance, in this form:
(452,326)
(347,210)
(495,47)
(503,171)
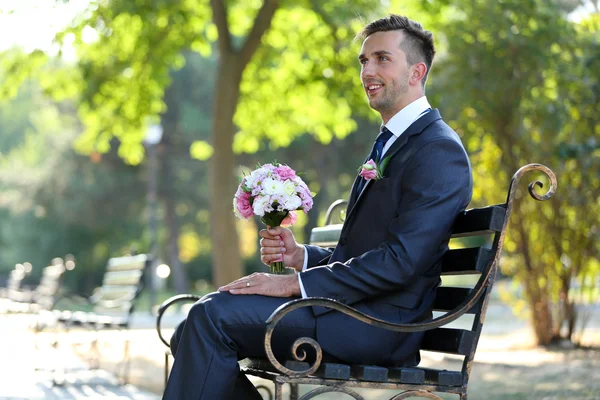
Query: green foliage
(126,49)
(520,84)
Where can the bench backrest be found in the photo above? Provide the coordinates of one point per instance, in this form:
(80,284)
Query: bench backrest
(488,222)
(122,283)
(45,294)
(15,279)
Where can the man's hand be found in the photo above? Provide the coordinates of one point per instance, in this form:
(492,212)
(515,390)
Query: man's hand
(279,244)
(265,284)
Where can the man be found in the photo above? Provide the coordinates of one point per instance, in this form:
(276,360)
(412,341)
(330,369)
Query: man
(387,262)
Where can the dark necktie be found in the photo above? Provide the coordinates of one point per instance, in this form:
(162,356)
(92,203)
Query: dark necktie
(375,155)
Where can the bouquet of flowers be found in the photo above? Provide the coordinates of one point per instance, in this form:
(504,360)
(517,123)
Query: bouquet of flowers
(274,192)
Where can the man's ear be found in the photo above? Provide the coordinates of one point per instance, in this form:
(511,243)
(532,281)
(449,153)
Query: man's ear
(417,72)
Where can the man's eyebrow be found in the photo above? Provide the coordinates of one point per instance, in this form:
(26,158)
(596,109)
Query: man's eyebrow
(375,53)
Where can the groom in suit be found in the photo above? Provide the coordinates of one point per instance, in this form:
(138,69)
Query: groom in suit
(387,263)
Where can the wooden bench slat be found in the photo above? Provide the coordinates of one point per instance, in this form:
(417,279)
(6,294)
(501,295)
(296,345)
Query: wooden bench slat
(414,376)
(448,298)
(442,377)
(448,340)
(369,373)
(479,221)
(334,371)
(127,263)
(468,261)
(115,278)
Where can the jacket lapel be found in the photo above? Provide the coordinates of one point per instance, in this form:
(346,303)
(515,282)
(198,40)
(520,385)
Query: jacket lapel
(416,128)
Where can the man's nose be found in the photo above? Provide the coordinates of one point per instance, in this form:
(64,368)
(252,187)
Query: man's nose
(368,71)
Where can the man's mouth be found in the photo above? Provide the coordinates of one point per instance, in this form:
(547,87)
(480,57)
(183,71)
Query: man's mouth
(373,89)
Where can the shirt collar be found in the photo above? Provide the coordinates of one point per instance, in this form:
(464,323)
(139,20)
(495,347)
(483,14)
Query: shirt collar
(409,114)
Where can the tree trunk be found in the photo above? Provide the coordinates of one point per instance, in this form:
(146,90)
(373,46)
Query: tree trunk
(227,262)
(537,296)
(320,203)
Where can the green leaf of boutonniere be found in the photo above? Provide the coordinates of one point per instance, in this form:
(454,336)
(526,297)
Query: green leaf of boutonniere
(382,165)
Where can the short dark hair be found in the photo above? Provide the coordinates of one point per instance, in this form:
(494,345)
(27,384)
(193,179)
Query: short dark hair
(417,44)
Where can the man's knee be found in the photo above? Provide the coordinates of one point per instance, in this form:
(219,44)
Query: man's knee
(212,307)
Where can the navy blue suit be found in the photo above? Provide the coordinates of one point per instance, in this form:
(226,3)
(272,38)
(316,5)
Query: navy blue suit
(387,264)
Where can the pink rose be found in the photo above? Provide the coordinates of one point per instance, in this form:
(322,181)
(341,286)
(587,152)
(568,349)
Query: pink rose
(369,170)
(290,219)
(243,205)
(285,172)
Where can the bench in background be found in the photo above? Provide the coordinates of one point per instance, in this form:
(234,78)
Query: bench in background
(44,295)
(111,306)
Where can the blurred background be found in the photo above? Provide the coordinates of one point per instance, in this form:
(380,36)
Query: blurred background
(125,126)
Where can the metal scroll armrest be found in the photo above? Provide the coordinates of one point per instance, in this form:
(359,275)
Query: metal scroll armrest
(168,303)
(292,305)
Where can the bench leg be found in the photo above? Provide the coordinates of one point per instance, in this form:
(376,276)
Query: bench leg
(278,391)
(126,363)
(95,353)
(167,354)
(294,391)
(59,372)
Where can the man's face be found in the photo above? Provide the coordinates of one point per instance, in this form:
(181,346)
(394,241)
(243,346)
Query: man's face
(385,72)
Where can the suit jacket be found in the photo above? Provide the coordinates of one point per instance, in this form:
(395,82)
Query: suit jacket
(388,259)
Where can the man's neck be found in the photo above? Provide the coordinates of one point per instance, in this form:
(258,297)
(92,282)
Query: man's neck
(386,116)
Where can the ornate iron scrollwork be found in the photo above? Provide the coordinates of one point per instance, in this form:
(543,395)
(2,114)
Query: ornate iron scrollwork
(326,389)
(416,393)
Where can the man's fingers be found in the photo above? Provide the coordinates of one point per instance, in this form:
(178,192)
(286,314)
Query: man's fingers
(271,242)
(272,250)
(265,233)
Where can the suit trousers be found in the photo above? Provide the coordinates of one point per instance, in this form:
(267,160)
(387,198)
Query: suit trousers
(221,329)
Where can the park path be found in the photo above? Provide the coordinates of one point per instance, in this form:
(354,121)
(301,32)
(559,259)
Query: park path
(25,373)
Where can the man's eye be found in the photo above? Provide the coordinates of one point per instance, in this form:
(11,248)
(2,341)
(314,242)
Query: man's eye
(363,61)
(383,58)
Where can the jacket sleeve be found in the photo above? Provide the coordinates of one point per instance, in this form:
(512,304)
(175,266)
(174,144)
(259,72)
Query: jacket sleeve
(317,255)
(436,184)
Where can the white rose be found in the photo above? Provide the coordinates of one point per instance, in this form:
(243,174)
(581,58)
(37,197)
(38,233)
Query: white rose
(271,186)
(262,205)
(289,188)
(292,203)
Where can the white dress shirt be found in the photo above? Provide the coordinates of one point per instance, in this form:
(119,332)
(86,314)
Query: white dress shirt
(397,125)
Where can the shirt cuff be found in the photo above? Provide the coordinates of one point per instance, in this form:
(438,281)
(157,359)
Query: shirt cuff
(302,291)
(305,265)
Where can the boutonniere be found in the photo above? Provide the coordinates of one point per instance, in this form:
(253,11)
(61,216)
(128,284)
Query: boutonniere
(371,170)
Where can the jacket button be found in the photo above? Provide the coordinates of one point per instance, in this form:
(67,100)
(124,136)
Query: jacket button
(342,241)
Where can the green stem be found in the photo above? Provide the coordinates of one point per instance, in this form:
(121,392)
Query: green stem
(278,268)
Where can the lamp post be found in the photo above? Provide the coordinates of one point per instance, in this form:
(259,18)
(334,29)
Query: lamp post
(152,139)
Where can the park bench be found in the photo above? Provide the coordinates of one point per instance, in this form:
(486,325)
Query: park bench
(111,305)
(14,282)
(45,293)
(452,302)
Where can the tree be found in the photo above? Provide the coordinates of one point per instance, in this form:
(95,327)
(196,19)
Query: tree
(523,84)
(267,51)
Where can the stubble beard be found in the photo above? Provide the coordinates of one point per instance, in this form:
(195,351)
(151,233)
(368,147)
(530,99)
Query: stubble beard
(387,102)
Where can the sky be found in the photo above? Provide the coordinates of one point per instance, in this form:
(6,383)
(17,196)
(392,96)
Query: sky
(32,24)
